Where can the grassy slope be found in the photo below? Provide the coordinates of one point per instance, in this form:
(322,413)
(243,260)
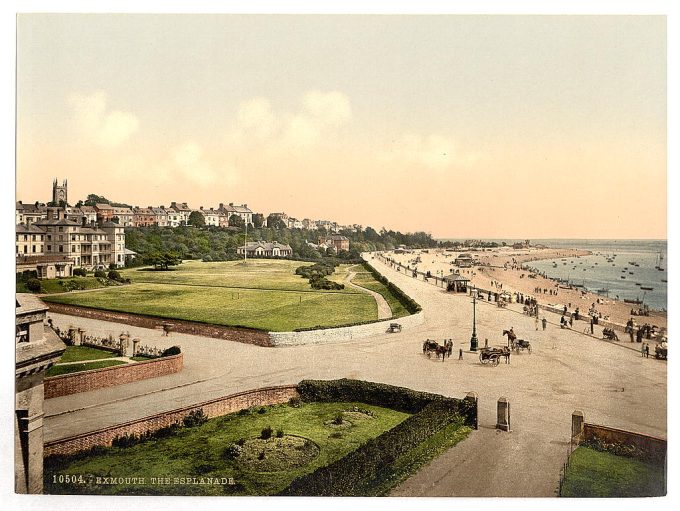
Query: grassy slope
(78,353)
(281,310)
(197,451)
(593,473)
(365,279)
(56,370)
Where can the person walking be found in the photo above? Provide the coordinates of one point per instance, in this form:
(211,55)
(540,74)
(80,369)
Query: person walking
(571,320)
(592,325)
(536,323)
(642,348)
(647,350)
(460,354)
(632,335)
(545,322)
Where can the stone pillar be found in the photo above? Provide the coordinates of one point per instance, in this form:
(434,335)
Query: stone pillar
(72,334)
(503,415)
(78,341)
(577,421)
(135,343)
(124,345)
(472,398)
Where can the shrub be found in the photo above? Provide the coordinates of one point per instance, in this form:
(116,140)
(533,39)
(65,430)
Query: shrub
(295,402)
(279,433)
(79,272)
(33,285)
(336,434)
(100,274)
(261,455)
(114,275)
(172,350)
(266,433)
(241,441)
(337,419)
(262,410)
(231,452)
(195,418)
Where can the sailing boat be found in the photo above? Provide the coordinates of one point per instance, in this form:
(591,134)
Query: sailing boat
(659,258)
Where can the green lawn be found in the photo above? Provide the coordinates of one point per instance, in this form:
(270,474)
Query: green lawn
(364,278)
(199,451)
(78,353)
(594,473)
(267,295)
(56,370)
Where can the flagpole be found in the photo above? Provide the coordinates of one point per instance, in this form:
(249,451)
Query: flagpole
(245,246)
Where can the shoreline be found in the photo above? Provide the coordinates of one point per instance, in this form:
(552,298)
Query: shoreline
(502,269)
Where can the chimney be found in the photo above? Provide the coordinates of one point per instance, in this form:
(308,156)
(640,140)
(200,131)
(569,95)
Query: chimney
(50,213)
(201,208)
(173,204)
(221,206)
(84,221)
(231,204)
(245,205)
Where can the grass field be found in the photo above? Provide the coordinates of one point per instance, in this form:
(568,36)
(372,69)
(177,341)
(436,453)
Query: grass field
(199,452)
(364,278)
(56,370)
(594,473)
(264,294)
(62,285)
(80,353)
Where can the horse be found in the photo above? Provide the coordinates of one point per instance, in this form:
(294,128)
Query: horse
(429,346)
(515,343)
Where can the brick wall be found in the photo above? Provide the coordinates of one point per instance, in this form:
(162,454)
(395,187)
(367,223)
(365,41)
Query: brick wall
(84,381)
(245,335)
(655,447)
(213,408)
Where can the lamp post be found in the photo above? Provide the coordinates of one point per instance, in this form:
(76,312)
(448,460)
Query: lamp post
(473,339)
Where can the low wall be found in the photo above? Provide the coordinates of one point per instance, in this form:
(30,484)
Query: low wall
(244,335)
(213,408)
(94,379)
(654,448)
(347,333)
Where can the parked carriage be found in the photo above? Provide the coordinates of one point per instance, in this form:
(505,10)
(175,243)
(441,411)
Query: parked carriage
(493,355)
(521,345)
(661,352)
(394,327)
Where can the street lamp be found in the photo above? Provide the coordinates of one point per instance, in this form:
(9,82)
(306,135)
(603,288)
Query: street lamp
(473,339)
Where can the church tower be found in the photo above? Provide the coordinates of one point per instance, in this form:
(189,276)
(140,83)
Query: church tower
(60,193)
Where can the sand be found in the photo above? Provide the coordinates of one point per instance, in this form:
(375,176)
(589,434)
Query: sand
(514,279)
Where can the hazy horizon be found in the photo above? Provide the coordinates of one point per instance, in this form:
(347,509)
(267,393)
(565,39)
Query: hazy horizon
(509,127)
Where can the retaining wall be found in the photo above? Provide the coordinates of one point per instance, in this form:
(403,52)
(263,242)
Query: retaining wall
(653,446)
(347,333)
(94,379)
(213,408)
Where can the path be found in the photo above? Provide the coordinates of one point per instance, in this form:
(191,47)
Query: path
(565,372)
(384,310)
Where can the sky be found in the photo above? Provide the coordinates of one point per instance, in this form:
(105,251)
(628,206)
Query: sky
(458,125)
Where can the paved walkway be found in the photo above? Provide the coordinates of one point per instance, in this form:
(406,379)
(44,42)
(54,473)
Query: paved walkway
(566,370)
(384,310)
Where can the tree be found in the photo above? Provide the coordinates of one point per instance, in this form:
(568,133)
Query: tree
(115,219)
(275,222)
(162,260)
(258,220)
(93,199)
(236,221)
(79,204)
(197,219)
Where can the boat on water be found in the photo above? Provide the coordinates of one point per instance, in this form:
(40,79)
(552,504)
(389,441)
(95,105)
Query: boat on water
(664,280)
(630,273)
(636,302)
(623,277)
(638,284)
(647,288)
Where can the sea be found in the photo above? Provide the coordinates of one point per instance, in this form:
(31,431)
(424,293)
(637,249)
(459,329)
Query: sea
(609,270)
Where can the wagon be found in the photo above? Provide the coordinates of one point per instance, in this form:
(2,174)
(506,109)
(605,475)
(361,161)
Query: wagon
(394,327)
(493,355)
(660,352)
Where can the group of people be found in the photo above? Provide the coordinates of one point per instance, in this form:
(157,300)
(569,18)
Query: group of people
(545,291)
(644,348)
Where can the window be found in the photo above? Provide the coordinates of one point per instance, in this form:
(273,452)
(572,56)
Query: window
(73,248)
(61,248)
(34,249)
(25,249)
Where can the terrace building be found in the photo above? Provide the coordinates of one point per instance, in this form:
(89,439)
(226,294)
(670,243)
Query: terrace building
(143,217)
(178,214)
(104,212)
(211,216)
(335,241)
(160,216)
(30,240)
(242,211)
(29,213)
(125,216)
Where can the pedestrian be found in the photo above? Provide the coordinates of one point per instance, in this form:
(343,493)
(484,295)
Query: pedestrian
(592,325)
(545,322)
(536,323)
(460,354)
(571,320)
(647,351)
(630,332)
(642,348)
(486,343)
(639,335)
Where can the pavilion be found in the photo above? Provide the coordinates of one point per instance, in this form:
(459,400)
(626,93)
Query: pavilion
(456,283)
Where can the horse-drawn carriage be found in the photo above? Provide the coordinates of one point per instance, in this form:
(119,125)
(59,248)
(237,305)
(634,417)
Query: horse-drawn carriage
(609,334)
(443,351)
(515,343)
(394,327)
(493,355)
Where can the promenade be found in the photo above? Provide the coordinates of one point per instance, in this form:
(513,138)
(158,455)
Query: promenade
(567,370)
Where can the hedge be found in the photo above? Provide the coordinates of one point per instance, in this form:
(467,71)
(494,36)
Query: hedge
(347,476)
(409,303)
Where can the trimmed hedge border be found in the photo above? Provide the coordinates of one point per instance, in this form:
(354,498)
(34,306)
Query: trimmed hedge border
(347,476)
(409,303)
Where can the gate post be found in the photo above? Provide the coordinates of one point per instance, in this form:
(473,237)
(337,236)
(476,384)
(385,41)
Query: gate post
(577,421)
(503,414)
(473,400)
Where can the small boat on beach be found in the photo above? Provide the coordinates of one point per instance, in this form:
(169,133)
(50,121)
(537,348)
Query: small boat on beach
(636,302)
(647,288)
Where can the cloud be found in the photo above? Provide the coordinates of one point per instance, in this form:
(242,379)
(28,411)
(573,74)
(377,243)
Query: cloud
(320,114)
(96,124)
(191,165)
(433,151)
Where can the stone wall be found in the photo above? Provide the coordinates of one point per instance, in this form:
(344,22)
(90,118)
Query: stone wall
(245,335)
(347,333)
(213,408)
(654,447)
(84,381)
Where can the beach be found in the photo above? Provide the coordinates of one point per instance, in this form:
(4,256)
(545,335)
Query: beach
(501,268)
